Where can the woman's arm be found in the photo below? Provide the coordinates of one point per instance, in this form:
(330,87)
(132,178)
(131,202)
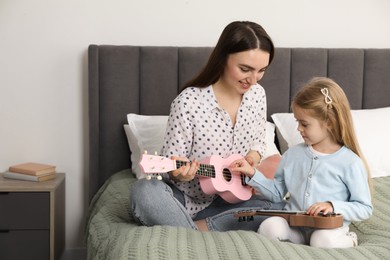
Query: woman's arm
(258,146)
(178,140)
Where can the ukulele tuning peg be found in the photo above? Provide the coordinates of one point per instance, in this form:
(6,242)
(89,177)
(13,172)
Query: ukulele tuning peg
(148,177)
(159,177)
(155,153)
(145,152)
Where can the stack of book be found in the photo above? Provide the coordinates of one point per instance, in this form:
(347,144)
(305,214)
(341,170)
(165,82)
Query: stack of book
(31,172)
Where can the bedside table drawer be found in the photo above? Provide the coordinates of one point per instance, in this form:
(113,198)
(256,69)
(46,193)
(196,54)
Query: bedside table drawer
(24,210)
(25,244)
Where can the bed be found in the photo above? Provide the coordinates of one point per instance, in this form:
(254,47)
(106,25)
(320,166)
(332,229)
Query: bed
(143,80)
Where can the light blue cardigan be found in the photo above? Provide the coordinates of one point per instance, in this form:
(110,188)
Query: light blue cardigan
(339,178)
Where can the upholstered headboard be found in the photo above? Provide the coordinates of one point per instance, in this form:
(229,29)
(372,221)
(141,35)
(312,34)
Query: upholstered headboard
(144,80)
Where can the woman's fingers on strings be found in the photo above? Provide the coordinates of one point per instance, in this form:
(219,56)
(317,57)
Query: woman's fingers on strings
(194,167)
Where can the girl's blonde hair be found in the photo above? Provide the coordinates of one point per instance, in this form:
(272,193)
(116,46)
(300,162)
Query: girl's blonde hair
(326,101)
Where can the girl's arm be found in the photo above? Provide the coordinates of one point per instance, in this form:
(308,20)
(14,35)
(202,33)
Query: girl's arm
(267,187)
(359,206)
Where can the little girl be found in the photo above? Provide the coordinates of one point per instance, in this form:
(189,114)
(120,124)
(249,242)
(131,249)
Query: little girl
(325,174)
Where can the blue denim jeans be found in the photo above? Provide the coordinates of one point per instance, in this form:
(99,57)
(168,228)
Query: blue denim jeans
(154,202)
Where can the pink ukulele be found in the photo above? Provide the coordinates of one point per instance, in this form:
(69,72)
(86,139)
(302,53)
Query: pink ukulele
(214,175)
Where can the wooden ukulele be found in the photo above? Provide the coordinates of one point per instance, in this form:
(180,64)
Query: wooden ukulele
(296,218)
(214,175)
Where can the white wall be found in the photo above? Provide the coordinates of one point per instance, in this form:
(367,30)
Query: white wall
(43,64)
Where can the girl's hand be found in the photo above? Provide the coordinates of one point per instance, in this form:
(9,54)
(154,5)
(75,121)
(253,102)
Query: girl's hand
(317,208)
(243,166)
(186,172)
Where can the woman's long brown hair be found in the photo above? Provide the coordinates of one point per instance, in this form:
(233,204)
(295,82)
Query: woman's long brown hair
(236,37)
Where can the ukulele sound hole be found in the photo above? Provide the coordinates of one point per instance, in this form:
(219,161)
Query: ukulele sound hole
(227,175)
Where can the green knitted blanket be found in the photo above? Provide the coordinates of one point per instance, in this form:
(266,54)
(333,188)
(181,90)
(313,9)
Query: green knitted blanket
(112,234)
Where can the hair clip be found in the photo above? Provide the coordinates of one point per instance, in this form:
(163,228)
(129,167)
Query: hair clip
(328,99)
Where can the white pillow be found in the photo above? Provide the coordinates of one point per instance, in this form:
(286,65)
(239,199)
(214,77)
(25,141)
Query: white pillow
(146,133)
(270,140)
(371,131)
(286,130)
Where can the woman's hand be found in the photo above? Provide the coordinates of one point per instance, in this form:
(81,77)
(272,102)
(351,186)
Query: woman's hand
(317,208)
(253,158)
(243,166)
(250,160)
(186,172)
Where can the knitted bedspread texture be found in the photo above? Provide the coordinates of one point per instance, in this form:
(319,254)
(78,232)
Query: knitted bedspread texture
(111,233)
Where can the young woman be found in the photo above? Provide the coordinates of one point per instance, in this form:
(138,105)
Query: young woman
(325,174)
(221,112)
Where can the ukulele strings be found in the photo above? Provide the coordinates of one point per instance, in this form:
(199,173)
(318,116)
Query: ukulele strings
(208,170)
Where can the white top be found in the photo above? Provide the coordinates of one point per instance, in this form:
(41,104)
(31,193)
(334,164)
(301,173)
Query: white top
(198,128)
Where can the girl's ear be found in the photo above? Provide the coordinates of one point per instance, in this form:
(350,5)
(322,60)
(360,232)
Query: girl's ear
(329,124)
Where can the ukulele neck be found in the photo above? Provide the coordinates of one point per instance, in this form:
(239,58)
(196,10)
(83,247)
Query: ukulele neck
(204,169)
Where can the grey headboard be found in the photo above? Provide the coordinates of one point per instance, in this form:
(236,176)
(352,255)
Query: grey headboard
(144,80)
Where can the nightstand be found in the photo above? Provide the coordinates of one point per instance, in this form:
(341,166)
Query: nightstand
(32,219)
